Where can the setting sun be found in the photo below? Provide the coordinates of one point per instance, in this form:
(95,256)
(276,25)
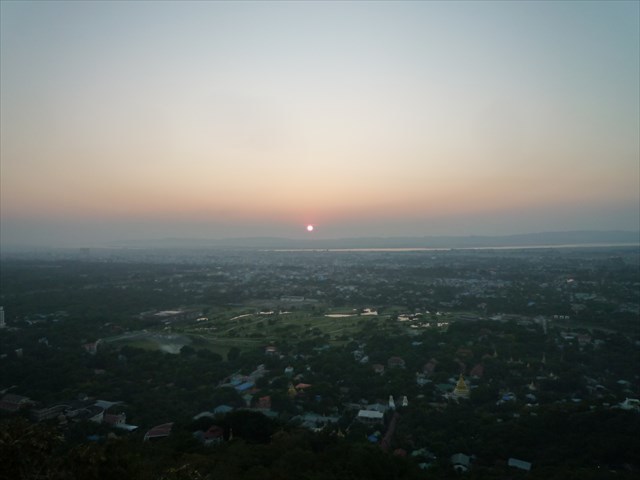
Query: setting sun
(267,122)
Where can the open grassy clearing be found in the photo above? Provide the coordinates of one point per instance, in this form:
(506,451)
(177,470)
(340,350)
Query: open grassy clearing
(248,330)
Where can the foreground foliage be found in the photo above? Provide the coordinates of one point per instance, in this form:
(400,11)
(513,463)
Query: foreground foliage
(273,451)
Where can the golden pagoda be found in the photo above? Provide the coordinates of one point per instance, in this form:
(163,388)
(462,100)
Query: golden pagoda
(461,390)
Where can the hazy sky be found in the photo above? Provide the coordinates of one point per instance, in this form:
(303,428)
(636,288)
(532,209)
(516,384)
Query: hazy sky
(211,119)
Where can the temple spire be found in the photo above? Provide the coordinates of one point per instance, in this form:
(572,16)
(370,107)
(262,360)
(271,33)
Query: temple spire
(461,390)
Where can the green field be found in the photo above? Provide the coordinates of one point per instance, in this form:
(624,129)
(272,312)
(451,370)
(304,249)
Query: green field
(246,331)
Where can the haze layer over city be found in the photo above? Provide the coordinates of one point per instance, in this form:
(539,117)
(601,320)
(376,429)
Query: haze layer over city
(208,120)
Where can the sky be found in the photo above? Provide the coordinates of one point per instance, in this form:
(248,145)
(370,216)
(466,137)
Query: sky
(148,120)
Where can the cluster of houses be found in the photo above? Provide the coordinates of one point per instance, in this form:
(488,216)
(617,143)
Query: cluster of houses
(101,411)
(456,389)
(82,408)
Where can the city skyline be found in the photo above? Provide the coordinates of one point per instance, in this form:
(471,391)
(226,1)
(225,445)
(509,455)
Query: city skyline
(139,120)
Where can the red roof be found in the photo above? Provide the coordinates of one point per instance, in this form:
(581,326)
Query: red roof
(400,452)
(429,367)
(159,431)
(395,362)
(214,432)
(477,371)
(13,403)
(264,402)
(113,419)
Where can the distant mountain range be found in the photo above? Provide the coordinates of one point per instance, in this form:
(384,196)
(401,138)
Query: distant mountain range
(522,240)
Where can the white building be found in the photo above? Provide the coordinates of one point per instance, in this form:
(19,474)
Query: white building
(519,464)
(370,416)
(2,323)
(630,404)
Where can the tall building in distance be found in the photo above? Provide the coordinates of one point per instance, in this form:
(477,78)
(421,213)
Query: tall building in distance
(2,324)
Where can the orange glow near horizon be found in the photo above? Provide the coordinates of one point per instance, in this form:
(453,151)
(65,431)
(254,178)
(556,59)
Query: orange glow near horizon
(249,116)
(332,203)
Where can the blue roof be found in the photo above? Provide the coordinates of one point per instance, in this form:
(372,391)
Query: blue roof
(223,409)
(244,386)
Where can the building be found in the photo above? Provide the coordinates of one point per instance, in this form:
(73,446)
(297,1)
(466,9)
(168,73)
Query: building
(461,462)
(159,431)
(477,371)
(47,413)
(2,322)
(422,380)
(461,390)
(430,367)
(519,464)
(91,348)
(314,421)
(222,410)
(92,413)
(213,436)
(630,404)
(114,419)
(264,402)
(395,362)
(13,403)
(243,387)
(370,416)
